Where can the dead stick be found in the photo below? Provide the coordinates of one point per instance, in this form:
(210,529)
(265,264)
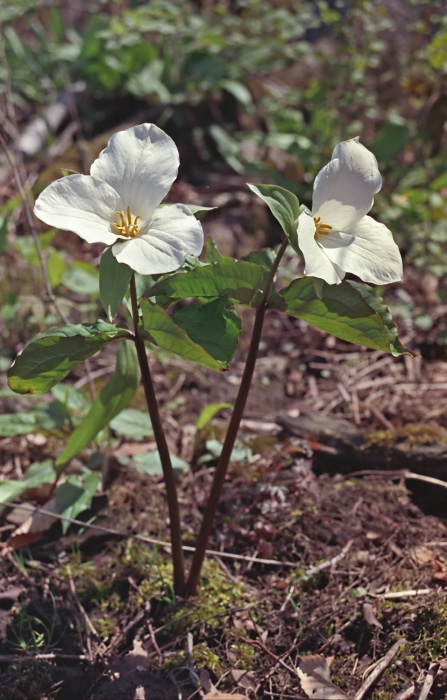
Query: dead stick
(405,694)
(379,669)
(429,680)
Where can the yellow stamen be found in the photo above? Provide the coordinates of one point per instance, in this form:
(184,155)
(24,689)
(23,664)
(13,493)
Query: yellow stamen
(127,228)
(321,229)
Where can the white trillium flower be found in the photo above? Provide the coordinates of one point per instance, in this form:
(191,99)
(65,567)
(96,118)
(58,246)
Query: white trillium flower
(118,203)
(338,236)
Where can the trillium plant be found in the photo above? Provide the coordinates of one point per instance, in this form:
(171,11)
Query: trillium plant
(155,256)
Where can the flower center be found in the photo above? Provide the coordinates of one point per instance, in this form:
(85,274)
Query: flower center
(126,226)
(321,229)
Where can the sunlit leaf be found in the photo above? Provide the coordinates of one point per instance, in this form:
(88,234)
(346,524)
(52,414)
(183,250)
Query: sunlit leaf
(215,326)
(208,412)
(376,302)
(75,495)
(284,206)
(237,280)
(40,417)
(51,355)
(162,330)
(37,474)
(132,423)
(342,311)
(149,463)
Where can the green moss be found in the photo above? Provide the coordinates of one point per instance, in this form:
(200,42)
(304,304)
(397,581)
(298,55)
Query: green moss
(430,630)
(405,437)
(204,657)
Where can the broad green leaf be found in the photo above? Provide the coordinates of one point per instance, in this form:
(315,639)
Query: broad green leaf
(111,400)
(75,495)
(284,206)
(149,463)
(341,311)
(239,453)
(74,399)
(208,412)
(40,417)
(376,302)
(238,280)
(36,475)
(114,278)
(215,326)
(51,355)
(81,278)
(132,423)
(164,332)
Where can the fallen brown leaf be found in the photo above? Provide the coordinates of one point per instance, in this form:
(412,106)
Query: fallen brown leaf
(313,672)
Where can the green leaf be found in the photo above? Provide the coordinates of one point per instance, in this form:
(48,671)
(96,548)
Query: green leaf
(237,280)
(164,332)
(74,399)
(376,302)
(132,423)
(37,474)
(342,311)
(114,278)
(208,412)
(40,417)
(51,355)
(149,463)
(215,326)
(284,206)
(82,278)
(112,399)
(75,495)
(390,139)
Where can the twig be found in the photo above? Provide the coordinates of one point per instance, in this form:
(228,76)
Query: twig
(262,647)
(381,666)
(312,570)
(11,658)
(429,680)
(142,538)
(392,595)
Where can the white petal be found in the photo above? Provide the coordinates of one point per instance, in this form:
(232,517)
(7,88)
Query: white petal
(317,264)
(141,164)
(368,251)
(82,204)
(344,189)
(172,234)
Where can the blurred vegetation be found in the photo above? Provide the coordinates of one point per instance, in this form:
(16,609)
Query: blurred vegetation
(263,89)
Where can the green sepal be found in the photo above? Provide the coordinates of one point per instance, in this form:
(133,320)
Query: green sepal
(114,278)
